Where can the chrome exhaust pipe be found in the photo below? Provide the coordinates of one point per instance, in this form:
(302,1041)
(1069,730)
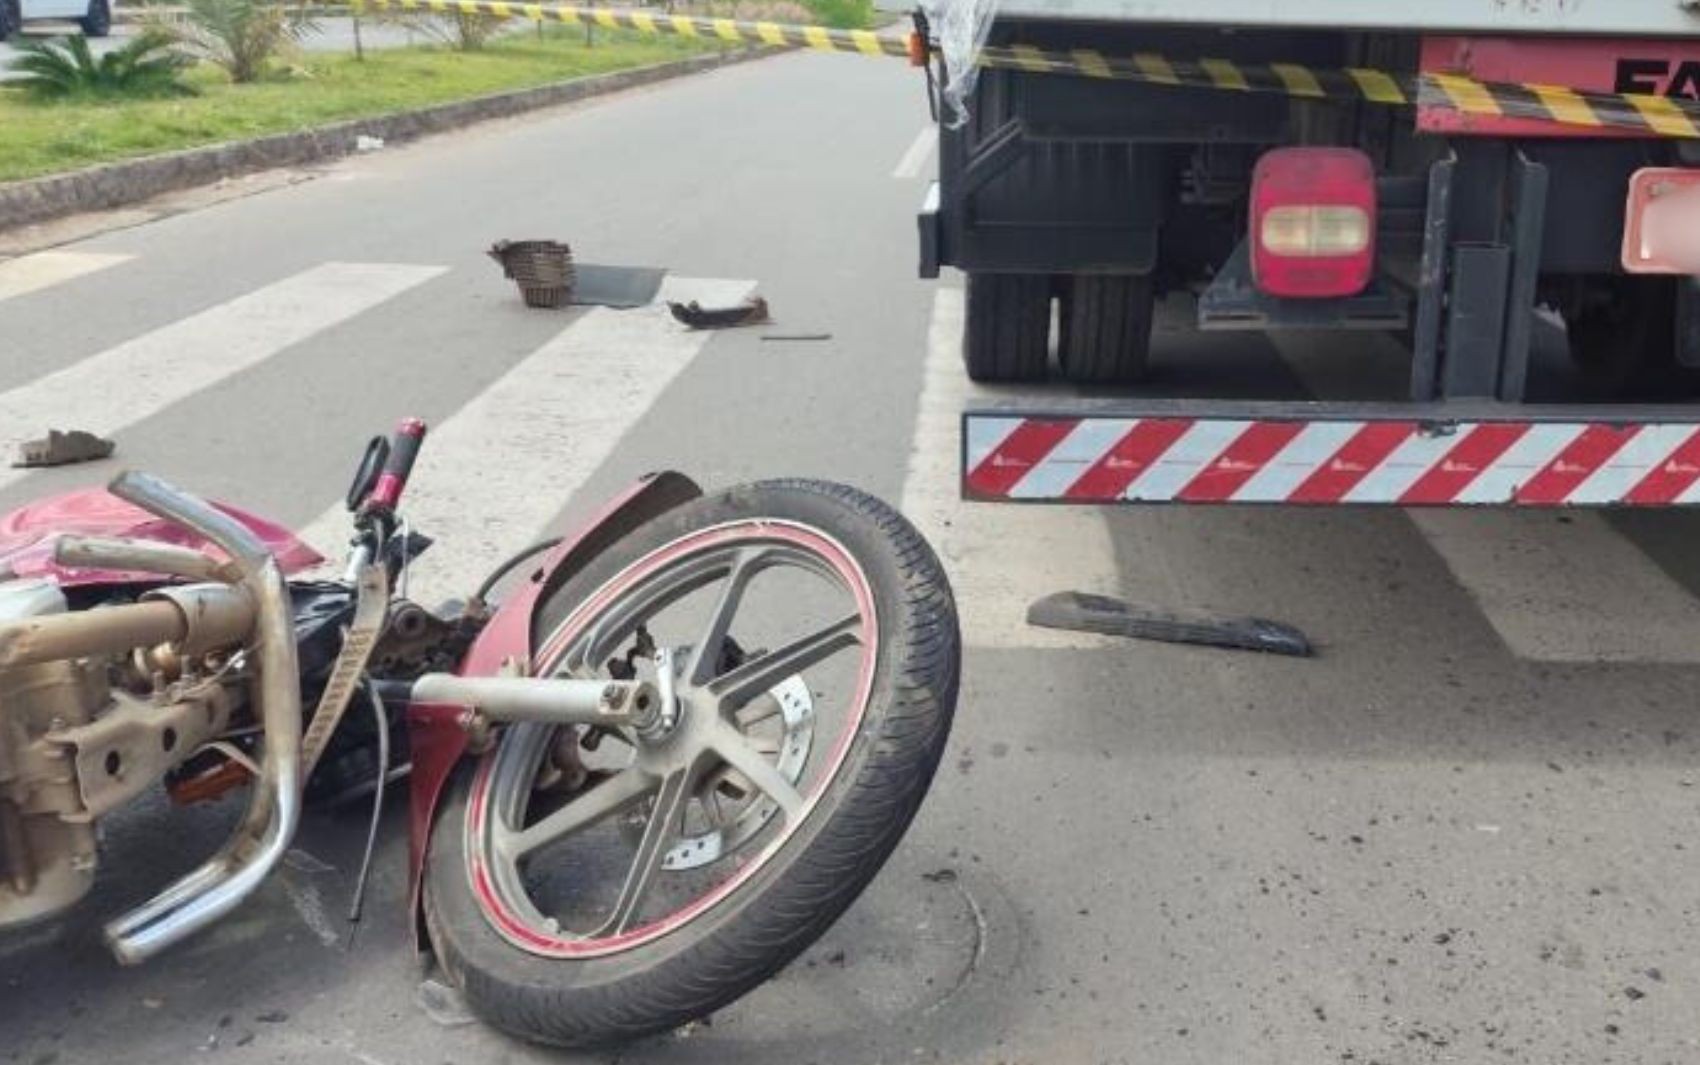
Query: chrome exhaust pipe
(229,877)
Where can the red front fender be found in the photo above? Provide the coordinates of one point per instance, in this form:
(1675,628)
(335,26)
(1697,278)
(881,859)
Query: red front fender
(438,741)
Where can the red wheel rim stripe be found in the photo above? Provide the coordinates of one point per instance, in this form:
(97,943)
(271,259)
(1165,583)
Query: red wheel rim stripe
(511,925)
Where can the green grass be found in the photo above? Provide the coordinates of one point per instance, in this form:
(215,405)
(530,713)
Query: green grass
(43,138)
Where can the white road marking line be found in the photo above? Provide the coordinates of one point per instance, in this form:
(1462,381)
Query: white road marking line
(142,376)
(1565,592)
(1000,557)
(31,273)
(492,476)
(1575,591)
(919,152)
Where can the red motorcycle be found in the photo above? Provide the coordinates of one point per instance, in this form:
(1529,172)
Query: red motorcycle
(650,762)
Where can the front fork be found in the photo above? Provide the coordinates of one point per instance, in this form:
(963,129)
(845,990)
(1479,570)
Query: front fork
(555,701)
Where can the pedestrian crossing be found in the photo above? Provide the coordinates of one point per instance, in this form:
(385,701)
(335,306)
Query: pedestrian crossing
(550,421)
(31,273)
(505,463)
(123,385)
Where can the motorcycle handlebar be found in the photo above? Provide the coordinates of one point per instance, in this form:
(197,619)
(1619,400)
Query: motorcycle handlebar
(409,437)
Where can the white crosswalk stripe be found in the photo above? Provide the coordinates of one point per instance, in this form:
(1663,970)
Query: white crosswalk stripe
(32,273)
(135,380)
(1000,557)
(916,156)
(492,476)
(1555,591)
(1576,591)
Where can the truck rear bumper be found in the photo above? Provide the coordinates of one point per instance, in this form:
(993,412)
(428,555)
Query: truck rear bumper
(1453,454)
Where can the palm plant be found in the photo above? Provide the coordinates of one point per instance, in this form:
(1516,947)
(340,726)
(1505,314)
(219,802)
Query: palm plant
(146,66)
(243,36)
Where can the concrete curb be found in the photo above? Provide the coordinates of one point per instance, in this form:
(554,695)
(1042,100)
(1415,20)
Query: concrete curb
(117,184)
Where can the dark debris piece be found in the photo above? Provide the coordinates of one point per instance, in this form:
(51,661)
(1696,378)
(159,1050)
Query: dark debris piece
(64,448)
(752,311)
(1081,612)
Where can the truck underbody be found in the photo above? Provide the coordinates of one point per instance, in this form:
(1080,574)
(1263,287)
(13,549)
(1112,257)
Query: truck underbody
(1072,203)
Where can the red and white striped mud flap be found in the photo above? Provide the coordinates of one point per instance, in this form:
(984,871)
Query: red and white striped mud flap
(1307,455)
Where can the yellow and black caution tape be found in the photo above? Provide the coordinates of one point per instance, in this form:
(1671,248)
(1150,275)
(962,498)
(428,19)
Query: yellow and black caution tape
(1646,114)
(1657,115)
(656,23)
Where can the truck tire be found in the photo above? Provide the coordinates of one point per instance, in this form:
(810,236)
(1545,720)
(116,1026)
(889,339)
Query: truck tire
(1106,328)
(1625,345)
(1009,327)
(98,21)
(11,19)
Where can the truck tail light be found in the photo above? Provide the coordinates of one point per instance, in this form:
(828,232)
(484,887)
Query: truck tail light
(1313,223)
(1661,233)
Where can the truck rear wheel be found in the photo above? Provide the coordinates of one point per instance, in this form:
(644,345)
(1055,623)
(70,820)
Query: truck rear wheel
(1623,335)
(1106,328)
(1009,327)
(11,19)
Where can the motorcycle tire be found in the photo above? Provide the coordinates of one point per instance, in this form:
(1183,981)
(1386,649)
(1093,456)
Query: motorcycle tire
(779,903)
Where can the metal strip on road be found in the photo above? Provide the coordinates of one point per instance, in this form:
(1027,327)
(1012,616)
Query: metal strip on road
(121,386)
(33,273)
(493,475)
(1000,559)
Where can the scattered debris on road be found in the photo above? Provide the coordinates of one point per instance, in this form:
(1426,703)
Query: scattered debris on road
(543,270)
(443,1004)
(1081,612)
(64,448)
(796,336)
(752,311)
(620,287)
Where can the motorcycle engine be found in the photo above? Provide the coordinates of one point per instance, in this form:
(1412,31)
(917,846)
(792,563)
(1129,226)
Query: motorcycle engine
(47,836)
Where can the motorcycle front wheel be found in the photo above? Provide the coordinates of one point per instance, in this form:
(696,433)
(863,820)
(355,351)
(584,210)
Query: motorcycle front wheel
(588,886)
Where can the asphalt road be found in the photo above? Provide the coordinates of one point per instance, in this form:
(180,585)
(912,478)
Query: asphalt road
(1463,833)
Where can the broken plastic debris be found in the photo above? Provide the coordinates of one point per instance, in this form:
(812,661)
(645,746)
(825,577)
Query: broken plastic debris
(1080,612)
(752,311)
(443,1004)
(63,448)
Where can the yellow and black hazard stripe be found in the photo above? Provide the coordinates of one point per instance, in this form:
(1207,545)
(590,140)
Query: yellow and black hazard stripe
(1655,115)
(819,38)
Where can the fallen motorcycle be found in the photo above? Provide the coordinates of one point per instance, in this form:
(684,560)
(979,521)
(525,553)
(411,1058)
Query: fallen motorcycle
(649,763)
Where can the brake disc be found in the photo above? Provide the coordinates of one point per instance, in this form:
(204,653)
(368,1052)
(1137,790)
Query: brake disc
(728,810)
